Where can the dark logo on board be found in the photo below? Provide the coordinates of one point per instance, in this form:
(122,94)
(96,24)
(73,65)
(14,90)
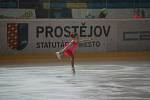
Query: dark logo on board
(136,36)
(17,35)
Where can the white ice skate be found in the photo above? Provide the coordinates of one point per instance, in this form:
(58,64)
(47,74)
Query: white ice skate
(58,55)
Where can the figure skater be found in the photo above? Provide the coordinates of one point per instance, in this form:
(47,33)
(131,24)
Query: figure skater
(69,49)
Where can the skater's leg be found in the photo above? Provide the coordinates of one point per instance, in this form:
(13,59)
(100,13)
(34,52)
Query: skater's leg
(72,64)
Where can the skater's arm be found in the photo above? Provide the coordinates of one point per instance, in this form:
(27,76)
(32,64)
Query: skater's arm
(86,40)
(67,46)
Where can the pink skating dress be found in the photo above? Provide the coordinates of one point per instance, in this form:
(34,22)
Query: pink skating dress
(71,50)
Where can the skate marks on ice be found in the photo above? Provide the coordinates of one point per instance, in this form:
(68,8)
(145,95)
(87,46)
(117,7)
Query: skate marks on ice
(100,81)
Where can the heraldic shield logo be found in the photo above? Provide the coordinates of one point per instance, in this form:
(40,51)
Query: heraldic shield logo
(17,35)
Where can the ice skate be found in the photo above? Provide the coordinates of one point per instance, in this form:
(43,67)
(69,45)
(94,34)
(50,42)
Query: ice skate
(58,55)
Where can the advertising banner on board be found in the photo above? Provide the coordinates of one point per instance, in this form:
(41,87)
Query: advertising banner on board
(51,35)
(134,35)
(17,13)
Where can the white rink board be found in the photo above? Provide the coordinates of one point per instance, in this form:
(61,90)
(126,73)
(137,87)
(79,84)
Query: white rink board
(134,35)
(49,35)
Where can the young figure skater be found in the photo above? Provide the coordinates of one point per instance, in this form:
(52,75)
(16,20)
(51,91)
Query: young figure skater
(69,49)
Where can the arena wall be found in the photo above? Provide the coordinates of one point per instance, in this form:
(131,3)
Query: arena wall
(26,36)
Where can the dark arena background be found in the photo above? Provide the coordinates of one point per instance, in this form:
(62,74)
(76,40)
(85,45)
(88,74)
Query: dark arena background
(114,65)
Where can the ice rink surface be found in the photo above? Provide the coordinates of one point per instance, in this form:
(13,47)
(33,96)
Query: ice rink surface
(109,80)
